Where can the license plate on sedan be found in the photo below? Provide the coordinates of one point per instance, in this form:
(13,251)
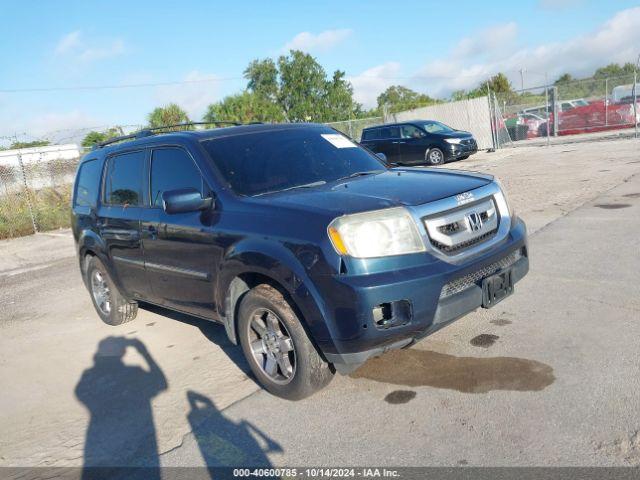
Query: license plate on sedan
(496,288)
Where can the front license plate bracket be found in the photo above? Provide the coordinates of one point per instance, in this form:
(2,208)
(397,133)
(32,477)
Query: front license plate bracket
(496,288)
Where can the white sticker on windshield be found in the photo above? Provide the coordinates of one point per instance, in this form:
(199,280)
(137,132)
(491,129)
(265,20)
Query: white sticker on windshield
(338,141)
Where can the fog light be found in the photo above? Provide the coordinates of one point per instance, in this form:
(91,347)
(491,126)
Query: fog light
(392,314)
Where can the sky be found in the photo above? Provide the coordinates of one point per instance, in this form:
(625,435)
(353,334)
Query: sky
(193,52)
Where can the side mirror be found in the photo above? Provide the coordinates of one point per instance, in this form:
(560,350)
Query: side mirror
(185,200)
(382,157)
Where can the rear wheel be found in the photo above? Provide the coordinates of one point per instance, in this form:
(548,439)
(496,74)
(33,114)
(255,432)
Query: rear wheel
(435,156)
(111,306)
(277,347)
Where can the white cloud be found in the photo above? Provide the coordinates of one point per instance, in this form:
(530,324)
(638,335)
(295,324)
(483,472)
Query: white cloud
(494,40)
(73,46)
(370,83)
(615,41)
(68,42)
(192,97)
(57,127)
(322,41)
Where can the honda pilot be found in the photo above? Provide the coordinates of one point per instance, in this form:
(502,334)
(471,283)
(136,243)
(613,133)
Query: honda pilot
(313,253)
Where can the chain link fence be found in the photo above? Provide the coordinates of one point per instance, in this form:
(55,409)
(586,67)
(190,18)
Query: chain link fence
(570,108)
(35,188)
(353,128)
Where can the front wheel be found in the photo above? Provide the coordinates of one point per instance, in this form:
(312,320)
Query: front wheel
(277,347)
(435,156)
(110,304)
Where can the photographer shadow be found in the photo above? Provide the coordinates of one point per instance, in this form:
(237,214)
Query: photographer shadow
(225,443)
(121,430)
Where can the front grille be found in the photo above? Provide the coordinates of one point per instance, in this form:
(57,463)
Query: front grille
(455,230)
(461,246)
(461,284)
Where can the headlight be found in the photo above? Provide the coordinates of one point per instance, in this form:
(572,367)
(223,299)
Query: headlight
(376,234)
(510,210)
(455,141)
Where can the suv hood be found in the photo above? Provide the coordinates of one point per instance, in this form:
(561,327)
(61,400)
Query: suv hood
(395,187)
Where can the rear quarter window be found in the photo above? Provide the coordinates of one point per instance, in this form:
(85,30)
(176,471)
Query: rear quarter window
(369,134)
(87,184)
(123,179)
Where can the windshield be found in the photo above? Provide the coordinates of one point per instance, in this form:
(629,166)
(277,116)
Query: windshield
(271,161)
(436,127)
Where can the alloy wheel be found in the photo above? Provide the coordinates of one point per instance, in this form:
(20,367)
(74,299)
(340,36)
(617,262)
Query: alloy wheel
(100,291)
(272,346)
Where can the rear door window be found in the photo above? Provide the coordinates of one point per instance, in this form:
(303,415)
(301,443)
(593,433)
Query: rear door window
(123,180)
(87,184)
(172,169)
(389,132)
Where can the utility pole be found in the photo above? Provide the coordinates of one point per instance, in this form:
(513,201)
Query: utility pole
(522,79)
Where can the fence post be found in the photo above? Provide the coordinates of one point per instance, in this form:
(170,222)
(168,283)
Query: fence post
(606,102)
(26,193)
(491,118)
(635,104)
(546,97)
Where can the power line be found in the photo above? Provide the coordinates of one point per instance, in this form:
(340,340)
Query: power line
(223,79)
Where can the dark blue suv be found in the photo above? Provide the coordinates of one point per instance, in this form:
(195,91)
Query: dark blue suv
(313,253)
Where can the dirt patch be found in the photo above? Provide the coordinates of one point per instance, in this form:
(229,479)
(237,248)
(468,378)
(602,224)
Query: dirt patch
(414,368)
(632,195)
(484,340)
(501,322)
(612,206)
(400,396)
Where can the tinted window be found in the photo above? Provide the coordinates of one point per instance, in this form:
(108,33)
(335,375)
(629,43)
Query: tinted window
(123,182)
(369,134)
(270,161)
(171,169)
(436,127)
(87,184)
(409,131)
(389,132)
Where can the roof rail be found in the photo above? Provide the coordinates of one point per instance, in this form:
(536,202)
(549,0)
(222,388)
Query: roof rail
(147,132)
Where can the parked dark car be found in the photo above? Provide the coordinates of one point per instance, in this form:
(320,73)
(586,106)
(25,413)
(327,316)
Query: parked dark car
(419,142)
(313,253)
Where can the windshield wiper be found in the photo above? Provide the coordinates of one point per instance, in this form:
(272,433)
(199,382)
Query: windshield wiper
(360,174)
(306,185)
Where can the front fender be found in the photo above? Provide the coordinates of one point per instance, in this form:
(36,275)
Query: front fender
(277,262)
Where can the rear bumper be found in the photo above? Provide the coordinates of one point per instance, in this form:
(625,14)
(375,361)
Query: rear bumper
(357,336)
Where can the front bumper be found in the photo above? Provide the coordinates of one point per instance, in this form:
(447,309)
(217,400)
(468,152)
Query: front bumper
(355,333)
(456,151)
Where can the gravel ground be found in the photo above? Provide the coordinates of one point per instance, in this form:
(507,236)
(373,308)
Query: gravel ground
(549,377)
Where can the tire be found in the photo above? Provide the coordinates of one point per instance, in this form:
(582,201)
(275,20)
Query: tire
(277,347)
(434,156)
(111,306)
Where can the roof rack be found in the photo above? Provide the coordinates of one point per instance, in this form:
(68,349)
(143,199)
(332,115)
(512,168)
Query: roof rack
(147,132)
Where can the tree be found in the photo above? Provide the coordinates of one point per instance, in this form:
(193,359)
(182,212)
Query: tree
(92,138)
(294,88)
(399,98)
(167,115)
(35,143)
(564,78)
(244,107)
(614,70)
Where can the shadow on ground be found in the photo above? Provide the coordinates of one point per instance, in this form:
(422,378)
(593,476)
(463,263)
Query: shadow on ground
(121,430)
